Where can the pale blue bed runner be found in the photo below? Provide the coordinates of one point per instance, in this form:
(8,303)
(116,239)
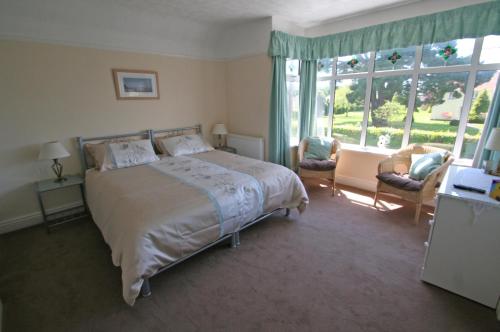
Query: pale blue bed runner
(237,197)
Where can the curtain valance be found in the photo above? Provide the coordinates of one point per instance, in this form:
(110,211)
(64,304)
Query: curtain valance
(465,22)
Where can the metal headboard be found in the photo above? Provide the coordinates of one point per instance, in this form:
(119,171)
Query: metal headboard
(175,131)
(145,134)
(153,133)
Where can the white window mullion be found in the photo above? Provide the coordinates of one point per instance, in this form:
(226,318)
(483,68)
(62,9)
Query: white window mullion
(469,93)
(332,97)
(364,125)
(413,95)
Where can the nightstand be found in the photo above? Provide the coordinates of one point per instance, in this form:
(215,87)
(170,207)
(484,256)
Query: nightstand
(66,215)
(227,149)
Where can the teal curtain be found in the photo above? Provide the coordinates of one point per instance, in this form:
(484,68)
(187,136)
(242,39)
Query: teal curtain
(492,121)
(307,98)
(279,121)
(465,22)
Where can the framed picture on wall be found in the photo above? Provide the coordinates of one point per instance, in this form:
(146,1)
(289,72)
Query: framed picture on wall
(136,84)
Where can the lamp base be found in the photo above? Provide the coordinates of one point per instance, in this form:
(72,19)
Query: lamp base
(58,169)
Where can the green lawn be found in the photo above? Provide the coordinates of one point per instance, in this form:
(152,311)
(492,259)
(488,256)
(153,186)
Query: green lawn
(424,130)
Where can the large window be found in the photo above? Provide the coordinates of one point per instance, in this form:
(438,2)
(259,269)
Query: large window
(437,94)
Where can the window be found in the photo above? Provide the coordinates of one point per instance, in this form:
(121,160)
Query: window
(437,94)
(388,109)
(438,108)
(348,110)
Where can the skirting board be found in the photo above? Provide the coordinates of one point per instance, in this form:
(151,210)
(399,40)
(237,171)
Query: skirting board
(13,224)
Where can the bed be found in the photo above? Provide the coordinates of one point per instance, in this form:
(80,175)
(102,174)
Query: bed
(156,215)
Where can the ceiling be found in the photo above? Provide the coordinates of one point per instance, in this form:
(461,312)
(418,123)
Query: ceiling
(305,13)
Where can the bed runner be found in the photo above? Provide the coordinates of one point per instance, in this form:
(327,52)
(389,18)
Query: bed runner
(237,197)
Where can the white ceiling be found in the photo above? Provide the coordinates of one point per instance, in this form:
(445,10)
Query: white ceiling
(305,13)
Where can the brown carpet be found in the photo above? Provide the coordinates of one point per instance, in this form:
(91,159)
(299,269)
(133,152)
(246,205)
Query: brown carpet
(341,266)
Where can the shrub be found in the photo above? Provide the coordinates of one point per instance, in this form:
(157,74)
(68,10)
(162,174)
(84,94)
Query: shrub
(416,136)
(479,108)
(390,111)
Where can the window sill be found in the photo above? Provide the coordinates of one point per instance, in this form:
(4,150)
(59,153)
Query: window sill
(366,149)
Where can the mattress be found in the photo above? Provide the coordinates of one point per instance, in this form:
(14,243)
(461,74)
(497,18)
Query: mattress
(152,215)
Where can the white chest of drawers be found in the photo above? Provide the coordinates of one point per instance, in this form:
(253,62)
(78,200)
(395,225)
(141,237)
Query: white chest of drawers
(463,249)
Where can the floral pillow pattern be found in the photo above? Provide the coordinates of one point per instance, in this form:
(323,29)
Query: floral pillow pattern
(126,154)
(185,144)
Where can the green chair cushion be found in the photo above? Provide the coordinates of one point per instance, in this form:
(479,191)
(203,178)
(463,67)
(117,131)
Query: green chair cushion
(318,148)
(425,164)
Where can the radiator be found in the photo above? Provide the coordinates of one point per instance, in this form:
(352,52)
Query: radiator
(248,146)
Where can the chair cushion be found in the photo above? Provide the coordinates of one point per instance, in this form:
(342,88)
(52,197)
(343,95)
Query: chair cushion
(317,165)
(318,148)
(403,182)
(422,165)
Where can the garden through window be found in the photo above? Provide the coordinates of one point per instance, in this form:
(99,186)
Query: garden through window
(436,94)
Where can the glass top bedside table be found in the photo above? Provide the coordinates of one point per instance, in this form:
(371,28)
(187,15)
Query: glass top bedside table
(62,216)
(227,149)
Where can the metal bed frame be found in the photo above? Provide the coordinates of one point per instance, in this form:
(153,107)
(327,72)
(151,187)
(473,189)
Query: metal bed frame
(150,134)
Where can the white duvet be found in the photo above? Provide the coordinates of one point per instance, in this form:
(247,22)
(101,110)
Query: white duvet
(152,215)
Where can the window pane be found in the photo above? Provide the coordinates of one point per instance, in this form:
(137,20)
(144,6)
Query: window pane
(457,52)
(491,50)
(353,63)
(403,58)
(292,67)
(322,107)
(484,88)
(348,110)
(388,107)
(325,67)
(438,107)
(293,106)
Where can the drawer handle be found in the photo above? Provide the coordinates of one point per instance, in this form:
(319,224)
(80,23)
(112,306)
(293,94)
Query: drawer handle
(426,244)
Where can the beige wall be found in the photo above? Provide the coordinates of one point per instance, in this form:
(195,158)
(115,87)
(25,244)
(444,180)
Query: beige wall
(248,91)
(52,92)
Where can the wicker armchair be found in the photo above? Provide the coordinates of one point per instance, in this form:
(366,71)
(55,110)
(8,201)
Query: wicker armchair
(324,169)
(392,177)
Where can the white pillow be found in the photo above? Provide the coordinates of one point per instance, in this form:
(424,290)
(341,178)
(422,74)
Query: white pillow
(185,144)
(132,153)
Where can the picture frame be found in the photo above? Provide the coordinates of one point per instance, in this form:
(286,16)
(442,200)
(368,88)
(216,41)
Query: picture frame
(136,84)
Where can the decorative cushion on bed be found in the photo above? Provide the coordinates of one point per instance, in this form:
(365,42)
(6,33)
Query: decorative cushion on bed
(400,181)
(185,144)
(100,156)
(319,148)
(317,165)
(126,154)
(422,165)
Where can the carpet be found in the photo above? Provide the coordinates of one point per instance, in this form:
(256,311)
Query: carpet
(341,266)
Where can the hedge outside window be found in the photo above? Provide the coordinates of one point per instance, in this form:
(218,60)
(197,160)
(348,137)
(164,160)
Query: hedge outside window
(395,97)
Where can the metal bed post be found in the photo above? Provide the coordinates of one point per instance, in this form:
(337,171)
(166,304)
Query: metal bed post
(146,288)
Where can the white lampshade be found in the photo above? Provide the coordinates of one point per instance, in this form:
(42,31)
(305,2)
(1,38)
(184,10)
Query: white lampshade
(53,150)
(493,142)
(219,129)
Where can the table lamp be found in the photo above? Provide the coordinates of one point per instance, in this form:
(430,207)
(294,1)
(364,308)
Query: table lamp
(493,144)
(220,130)
(54,151)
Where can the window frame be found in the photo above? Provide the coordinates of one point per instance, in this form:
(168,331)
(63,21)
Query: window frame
(472,69)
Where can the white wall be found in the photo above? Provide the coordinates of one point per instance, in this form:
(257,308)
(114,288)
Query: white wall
(244,40)
(75,22)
